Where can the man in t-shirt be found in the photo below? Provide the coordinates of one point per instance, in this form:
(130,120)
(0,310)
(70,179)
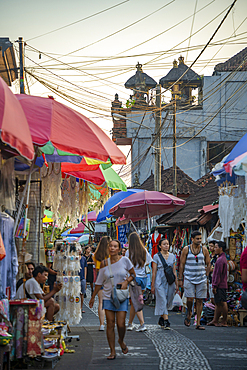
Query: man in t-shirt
(243,268)
(219,285)
(34,291)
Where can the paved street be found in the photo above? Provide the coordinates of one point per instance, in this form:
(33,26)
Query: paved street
(179,348)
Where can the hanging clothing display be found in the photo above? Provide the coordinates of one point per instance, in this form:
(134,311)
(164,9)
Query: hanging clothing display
(67,264)
(123,231)
(7,184)
(9,265)
(155,241)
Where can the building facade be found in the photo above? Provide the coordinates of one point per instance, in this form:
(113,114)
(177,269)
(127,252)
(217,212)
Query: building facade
(211,116)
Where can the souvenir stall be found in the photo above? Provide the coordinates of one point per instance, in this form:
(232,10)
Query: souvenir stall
(67,264)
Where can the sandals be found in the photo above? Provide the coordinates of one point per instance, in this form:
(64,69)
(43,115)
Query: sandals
(187,322)
(200,327)
(111,357)
(125,349)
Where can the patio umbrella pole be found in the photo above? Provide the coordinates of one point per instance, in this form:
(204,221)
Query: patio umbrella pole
(132,223)
(149,228)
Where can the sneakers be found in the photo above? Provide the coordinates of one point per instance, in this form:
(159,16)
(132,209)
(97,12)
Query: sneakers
(102,328)
(141,328)
(167,325)
(130,327)
(161,321)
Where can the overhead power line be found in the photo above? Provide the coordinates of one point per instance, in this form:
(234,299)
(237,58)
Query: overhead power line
(80,20)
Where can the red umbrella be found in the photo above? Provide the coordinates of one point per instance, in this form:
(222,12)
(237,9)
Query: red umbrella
(67,130)
(14,129)
(146,204)
(78,229)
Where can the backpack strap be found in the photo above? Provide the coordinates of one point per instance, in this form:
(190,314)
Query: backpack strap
(163,261)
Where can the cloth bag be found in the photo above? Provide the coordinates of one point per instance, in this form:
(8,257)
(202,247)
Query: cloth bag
(2,249)
(117,295)
(136,296)
(168,270)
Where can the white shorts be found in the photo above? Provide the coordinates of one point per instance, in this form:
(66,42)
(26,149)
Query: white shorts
(210,291)
(195,290)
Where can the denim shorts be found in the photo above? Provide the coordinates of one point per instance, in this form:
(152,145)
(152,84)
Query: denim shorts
(107,305)
(83,286)
(142,282)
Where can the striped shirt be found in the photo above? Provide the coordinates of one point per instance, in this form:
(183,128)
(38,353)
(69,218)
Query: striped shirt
(195,271)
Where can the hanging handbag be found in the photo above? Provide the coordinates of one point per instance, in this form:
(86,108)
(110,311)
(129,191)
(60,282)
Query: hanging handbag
(136,296)
(147,269)
(170,277)
(118,295)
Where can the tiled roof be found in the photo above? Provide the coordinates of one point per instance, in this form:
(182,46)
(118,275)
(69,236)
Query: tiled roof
(205,195)
(238,60)
(185,184)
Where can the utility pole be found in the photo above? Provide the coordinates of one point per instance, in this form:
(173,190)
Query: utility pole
(21,47)
(157,150)
(174,150)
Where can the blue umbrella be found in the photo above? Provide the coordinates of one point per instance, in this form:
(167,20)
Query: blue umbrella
(240,148)
(115,199)
(66,233)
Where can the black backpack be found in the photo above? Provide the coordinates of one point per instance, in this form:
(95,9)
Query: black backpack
(168,270)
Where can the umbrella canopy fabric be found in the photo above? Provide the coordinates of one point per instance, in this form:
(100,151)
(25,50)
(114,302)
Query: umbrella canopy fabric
(67,233)
(67,130)
(146,204)
(97,177)
(91,216)
(84,239)
(79,229)
(14,129)
(115,199)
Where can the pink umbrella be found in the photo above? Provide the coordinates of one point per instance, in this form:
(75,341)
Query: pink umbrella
(14,129)
(146,204)
(91,216)
(67,130)
(79,229)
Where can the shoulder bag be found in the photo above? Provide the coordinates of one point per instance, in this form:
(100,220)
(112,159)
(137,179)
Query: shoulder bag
(168,270)
(136,296)
(117,295)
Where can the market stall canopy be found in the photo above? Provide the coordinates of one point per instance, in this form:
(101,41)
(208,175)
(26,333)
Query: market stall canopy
(237,154)
(97,177)
(116,198)
(14,129)
(67,130)
(91,217)
(84,239)
(146,204)
(67,233)
(79,229)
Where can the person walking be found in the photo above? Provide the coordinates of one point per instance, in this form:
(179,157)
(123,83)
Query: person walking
(193,271)
(164,293)
(219,284)
(213,258)
(83,277)
(123,273)
(90,263)
(140,258)
(101,253)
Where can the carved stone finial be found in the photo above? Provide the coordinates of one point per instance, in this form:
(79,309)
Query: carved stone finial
(181,59)
(116,97)
(175,64)
(139,67)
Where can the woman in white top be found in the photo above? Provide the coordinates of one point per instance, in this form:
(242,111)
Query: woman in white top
(123,273)
(140,257)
